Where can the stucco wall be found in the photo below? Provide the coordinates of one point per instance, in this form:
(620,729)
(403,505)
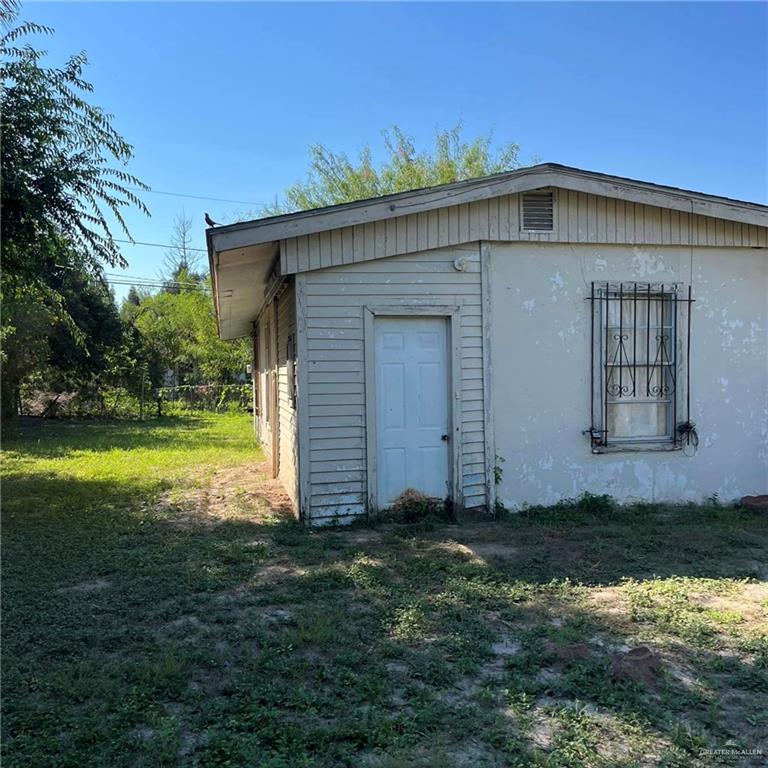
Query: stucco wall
(540,353)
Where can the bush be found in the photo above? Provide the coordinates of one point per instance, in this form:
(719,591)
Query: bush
(585,507)
(413,506)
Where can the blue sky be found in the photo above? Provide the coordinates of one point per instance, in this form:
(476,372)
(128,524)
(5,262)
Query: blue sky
(223,100)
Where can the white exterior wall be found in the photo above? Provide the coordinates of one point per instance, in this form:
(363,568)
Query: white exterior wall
(540,357)
(332,375)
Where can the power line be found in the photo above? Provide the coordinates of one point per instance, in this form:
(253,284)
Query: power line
(195,197)
(160,245)
(120,278)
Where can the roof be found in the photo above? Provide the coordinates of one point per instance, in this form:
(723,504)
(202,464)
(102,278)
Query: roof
(545,174)
(252,246)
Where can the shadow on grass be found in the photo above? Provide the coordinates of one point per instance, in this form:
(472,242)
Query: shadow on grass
(134,640)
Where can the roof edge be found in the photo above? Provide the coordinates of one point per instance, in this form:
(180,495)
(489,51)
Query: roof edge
(275,228)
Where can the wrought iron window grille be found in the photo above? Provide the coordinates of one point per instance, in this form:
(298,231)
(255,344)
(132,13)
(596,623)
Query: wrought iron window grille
(640,365)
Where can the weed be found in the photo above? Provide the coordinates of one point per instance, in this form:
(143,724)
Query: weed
(412,506)
(137,633)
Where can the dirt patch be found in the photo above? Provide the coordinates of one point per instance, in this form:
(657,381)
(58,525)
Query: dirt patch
(479,543)
(92,585)
(543,730)
(277,573)
(472,753)
(750,602)
(611,603)
(143,734)
(505,647)
(363,536)
(457,548)
(640,664)
(567,652)
(276,614)
(186,622)
(397,668)
(242,492)
(494,550)
(191,742)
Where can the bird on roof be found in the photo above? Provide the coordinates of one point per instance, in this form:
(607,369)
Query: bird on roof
(210,222)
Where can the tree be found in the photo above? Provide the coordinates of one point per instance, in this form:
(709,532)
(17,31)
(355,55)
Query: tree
(334,178)
(62,166)
(179,334)
(181,257)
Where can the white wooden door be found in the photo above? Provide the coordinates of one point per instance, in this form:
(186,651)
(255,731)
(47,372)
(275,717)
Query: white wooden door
(412,418)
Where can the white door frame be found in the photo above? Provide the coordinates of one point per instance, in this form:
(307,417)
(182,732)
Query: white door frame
(452,313)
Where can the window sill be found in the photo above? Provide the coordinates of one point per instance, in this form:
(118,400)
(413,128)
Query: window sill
(638,448)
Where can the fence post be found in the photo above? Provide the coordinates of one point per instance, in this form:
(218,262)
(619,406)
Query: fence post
(143,383)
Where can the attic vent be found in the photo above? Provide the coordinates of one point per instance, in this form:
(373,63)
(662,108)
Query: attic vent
(538,210)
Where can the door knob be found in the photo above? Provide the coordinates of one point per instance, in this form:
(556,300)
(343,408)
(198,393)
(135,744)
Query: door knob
(444,437)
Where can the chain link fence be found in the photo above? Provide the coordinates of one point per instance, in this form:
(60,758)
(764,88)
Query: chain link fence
(118,403)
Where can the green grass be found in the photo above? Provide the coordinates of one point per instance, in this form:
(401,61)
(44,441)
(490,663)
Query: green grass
(158,611)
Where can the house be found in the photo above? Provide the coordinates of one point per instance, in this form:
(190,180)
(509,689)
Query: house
(522,337)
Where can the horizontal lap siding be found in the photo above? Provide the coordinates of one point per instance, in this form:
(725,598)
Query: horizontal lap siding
(334,302)
(286,325)
(579,218)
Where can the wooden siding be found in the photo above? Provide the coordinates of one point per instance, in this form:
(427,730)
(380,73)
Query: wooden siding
(579,218)
(263,427)
(278,318)
(332,326)
(286,325)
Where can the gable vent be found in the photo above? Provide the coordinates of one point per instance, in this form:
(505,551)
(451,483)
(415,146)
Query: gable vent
(539,210)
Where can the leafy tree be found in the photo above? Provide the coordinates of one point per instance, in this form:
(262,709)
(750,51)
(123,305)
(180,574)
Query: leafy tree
(335,178)
(62,166)
(56,150)
(179,333)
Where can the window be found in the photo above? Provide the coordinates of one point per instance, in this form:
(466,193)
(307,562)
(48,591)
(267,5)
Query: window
(538,211)
(290,367)
(638,361)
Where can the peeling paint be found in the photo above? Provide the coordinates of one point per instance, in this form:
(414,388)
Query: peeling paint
(540,416)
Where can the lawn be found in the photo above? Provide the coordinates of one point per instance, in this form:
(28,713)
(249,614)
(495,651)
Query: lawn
(160,608)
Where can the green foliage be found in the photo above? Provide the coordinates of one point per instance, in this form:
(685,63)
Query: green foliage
(157,610)
(336,178)
(57,150)
(178,330)
(583,508)
(498,470)
(62,166)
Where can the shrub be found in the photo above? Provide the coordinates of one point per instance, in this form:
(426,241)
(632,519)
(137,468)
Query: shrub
(413,506)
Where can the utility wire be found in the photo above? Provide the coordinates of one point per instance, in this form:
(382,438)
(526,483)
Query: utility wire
(160,245)
(195,197)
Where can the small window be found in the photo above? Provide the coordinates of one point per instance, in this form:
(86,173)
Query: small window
(290,365)
(638,365)
(538,210)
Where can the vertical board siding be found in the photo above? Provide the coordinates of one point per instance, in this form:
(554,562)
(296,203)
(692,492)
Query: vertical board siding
(286,325)
(286,414)
(334,306)
(263,426)
(579,218)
